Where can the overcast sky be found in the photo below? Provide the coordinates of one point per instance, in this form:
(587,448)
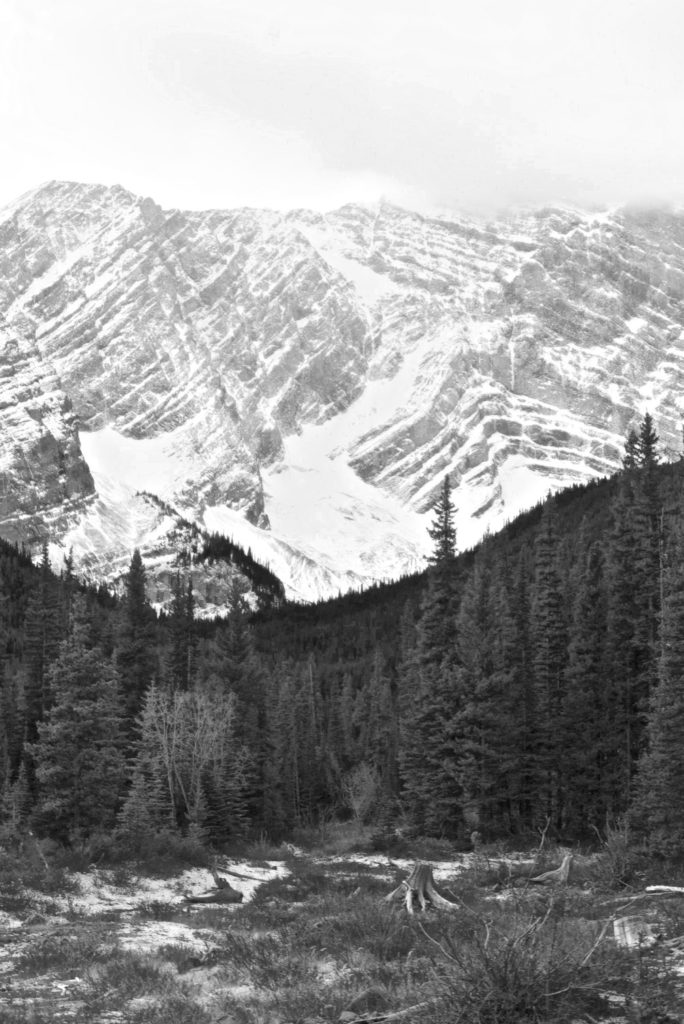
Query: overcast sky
(283,103)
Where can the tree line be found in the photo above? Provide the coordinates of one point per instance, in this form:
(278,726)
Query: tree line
(535,681)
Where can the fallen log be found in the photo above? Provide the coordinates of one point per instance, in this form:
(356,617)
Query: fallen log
(559,876)
(235,874)
(225,894)
(420,886)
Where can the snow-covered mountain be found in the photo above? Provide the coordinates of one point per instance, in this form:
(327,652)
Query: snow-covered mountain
(303,382)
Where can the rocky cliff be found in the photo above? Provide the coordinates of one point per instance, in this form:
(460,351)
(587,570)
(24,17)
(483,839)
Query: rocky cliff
(303,382)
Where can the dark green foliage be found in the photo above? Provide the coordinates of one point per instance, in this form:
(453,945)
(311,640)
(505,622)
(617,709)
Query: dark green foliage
(268,588)
(136,656)
(659,808)
(502,690)
(181,656)
(42,637)
(432,728)
(590,710)
(549,638)
(78,756)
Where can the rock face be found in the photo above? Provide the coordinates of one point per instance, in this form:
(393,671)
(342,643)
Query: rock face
(303,382)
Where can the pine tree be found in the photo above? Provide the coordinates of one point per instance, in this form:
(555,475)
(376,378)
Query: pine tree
(588,710)
(630,459)
(659,805)
(42,637)
(647,449)
(442,530)
(430,752)
(79,759)
(282,791)
(136,658)
(549,651)
(634,576)
(180,668)
(620,647)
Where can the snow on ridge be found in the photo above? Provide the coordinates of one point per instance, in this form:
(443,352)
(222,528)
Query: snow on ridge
(370,286)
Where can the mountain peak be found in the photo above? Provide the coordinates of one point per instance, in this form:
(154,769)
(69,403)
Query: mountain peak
(321,373)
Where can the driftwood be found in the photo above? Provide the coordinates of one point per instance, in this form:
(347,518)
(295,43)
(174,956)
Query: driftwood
(557,877)
(222,893)
(420,886)
(236,874)
(394,1015)
(229,895)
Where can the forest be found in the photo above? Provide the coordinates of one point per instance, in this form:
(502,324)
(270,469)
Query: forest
(536,681)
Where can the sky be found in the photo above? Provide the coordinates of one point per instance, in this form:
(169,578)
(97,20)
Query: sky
(438,106)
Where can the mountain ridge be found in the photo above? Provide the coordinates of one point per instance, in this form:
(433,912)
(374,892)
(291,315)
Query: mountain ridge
(302,382)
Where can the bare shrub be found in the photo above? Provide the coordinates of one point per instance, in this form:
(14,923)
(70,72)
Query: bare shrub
(513,967)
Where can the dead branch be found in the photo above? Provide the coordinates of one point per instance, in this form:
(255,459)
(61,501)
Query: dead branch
(236,874)
(601,937)
(396,1014)
(542,833)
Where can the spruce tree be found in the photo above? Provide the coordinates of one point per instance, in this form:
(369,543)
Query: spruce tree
(588,710)
(647,448)
(659,806)
(430,755)
(42,637)
(181,659)
(79,754)
(630,459)
(136,657)
(549,652)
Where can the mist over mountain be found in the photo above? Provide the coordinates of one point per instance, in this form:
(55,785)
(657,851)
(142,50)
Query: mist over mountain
(302,382)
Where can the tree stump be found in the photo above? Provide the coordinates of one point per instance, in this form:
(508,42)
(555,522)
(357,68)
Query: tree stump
(420,887)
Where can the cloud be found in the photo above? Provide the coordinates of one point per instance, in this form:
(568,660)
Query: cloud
(470,106)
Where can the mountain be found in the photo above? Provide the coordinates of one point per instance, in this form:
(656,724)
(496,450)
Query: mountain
(302,382)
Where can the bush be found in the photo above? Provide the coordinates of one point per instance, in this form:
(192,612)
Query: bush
(517,968)
(64,949)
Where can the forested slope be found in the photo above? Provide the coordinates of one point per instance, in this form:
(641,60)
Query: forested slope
(534,681)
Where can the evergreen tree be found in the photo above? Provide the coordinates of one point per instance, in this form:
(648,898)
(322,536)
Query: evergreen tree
(549,651)
(442,530)
(430,755)
(647,449)
(630,459)
(621,649)
(659,806)
(79,758)
(528,797)
(136,658)
(42,637)
(180,668)
(589,709)
(282,790)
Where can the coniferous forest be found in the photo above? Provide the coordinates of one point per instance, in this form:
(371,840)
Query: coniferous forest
(536,681)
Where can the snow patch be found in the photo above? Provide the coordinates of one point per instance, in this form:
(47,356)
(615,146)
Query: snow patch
(370,286)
